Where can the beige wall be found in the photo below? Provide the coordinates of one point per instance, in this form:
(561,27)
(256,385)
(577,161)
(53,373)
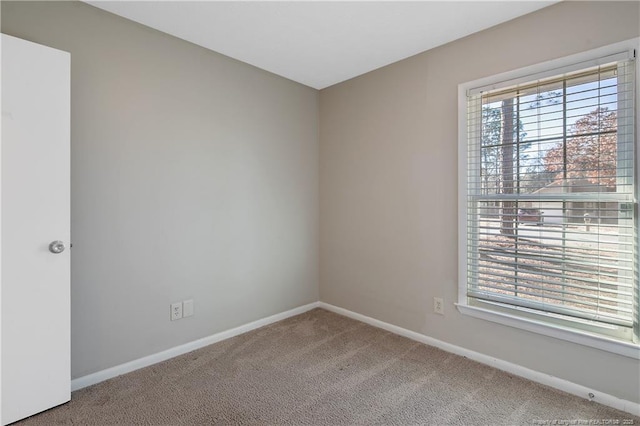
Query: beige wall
(388,188)
(193,176)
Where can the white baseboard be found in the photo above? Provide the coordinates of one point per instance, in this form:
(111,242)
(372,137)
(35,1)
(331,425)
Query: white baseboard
(517,370)
(100,376)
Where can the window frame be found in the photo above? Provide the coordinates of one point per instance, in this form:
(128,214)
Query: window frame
(559,328)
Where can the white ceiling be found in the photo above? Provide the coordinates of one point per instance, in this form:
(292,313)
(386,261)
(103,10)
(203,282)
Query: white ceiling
(320,43)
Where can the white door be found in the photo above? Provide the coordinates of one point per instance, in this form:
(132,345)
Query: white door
(34,211)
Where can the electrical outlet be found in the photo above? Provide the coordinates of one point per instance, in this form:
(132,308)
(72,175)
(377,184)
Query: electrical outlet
(438,305)
(176,311)
(187,308)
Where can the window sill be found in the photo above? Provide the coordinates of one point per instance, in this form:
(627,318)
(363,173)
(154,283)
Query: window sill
(627,349)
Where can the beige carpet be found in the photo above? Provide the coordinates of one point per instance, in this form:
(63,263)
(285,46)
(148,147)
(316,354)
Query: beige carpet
(320,368)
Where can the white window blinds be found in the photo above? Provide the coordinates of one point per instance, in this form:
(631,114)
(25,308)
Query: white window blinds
(551,213)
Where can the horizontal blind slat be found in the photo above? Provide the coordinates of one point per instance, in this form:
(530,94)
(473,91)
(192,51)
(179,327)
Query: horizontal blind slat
(607,319)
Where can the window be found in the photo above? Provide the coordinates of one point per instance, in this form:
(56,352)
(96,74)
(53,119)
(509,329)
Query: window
(548,235)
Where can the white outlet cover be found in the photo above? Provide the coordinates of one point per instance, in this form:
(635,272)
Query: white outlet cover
(176,311)
(187,308)
(438,305)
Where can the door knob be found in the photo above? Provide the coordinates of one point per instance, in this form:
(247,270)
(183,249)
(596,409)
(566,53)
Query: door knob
(56,247)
